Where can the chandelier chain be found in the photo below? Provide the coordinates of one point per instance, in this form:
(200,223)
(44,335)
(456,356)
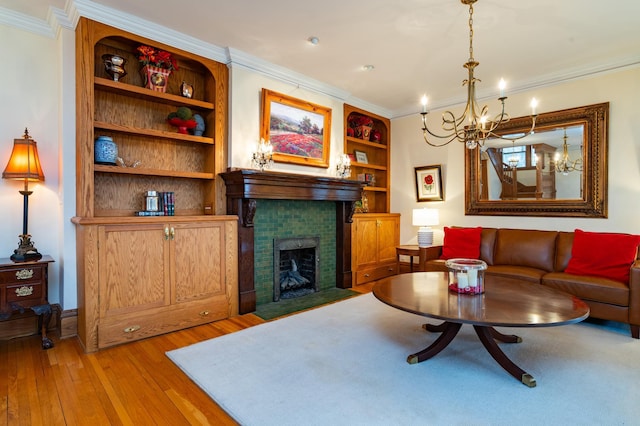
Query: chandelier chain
(471,32)
(474,125)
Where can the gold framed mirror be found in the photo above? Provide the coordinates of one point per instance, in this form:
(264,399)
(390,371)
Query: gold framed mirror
(560,170)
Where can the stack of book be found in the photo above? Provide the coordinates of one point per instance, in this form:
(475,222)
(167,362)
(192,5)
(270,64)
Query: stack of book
(166,206)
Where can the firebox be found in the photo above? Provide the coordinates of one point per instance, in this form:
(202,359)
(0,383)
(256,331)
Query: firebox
(296,267)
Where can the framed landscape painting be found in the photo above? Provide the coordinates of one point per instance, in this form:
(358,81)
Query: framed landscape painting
(298,130)
(429,183)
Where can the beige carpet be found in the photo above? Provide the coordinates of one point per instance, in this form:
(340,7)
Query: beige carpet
(345,364)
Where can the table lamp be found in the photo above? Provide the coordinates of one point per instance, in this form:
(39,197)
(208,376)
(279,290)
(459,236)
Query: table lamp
(424,218)
(24,164)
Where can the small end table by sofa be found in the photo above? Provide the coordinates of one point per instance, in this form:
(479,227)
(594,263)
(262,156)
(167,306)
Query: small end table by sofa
(24,285)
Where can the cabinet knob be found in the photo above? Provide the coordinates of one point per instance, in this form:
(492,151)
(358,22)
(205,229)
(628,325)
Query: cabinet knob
(173,233)
(131,329)
(204,313)
(166,233)
(366,275)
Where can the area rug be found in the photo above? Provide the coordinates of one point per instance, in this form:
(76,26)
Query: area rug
(268,311)
(345,364)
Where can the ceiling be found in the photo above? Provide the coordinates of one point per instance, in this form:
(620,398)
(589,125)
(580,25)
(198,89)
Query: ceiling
(415,46)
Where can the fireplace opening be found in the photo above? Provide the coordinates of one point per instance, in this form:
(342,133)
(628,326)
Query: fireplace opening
(296,266)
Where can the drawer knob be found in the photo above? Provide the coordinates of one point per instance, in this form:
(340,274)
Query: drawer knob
(204,313)
(24,274)
(24,291)
(132,329)
(366,275)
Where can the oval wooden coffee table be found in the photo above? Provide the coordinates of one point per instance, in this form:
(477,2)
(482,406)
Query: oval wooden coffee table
(512,305)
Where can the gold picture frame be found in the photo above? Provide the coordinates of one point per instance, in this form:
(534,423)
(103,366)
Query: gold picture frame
(299,131)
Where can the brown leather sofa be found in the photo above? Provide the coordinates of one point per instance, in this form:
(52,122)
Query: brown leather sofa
(540,257)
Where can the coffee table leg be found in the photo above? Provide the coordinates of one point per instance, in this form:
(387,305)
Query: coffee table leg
(486,335)
(506,338)
(435,328)
(449,331)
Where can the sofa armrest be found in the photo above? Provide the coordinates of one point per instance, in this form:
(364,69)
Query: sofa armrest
(428,253)
(634,293)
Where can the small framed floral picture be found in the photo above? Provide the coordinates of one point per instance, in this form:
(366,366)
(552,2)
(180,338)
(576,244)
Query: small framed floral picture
(429,183)
(361,157)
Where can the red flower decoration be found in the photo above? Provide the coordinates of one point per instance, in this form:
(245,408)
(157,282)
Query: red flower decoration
(158,58)
(428,179)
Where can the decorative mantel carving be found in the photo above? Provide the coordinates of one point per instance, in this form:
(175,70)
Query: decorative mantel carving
(244,187)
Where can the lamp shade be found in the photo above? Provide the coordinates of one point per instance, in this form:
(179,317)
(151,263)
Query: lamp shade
(24,162)
(425,217)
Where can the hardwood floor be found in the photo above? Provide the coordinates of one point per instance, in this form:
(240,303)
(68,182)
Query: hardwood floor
(131,384)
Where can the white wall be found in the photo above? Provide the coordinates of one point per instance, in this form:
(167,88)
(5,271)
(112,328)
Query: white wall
(30,78)
(621,89)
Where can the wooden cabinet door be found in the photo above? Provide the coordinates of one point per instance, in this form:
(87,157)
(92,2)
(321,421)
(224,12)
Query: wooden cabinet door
(366,242)
(388,238)
(197,251)
(133,272)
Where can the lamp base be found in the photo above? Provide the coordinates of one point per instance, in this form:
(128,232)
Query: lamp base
(25,252)
(425,237)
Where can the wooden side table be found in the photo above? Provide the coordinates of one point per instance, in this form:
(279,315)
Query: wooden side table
(411,251)
(25,285)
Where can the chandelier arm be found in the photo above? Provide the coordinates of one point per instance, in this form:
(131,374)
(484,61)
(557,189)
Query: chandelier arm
(514,138)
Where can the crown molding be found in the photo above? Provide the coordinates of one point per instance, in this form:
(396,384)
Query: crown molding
(25,22)
(148,29)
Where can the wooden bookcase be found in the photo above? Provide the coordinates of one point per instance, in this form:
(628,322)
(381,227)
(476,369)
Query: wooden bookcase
(378,158)
(143,276)
(135,118)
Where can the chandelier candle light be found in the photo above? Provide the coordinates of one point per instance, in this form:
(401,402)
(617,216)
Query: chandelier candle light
(473,127)
(263,157)
(562,161)
(425,218)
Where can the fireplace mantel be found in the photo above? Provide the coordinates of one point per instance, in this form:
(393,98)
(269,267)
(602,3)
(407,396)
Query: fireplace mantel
(244,187)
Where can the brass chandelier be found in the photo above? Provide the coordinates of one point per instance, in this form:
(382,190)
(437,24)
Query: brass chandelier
(473,127)
(563,163)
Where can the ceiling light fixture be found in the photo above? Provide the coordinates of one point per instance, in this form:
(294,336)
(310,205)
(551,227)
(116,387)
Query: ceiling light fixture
(313,40)
(473,127)
(563,163)
(368,67)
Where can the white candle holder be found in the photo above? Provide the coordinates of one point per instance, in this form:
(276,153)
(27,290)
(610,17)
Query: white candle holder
(466,276)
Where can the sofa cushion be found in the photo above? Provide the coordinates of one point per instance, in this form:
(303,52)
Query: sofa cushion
(589,288)
(461,243)
(601,254)
(521,247)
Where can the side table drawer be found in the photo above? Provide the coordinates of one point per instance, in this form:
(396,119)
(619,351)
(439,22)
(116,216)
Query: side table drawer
(25,293)
(22,274)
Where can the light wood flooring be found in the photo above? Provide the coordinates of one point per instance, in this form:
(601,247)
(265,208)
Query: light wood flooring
(131,384)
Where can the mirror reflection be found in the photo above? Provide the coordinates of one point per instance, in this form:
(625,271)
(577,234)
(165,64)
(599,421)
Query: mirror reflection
(546,173)
(547,166)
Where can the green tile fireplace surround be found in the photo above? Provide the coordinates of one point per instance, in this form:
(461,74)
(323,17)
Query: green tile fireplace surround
(280,205)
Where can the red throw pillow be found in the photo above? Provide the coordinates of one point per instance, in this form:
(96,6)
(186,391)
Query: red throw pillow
(602,254)
(461,243)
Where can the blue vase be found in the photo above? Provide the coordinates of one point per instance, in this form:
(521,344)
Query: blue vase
(105,151)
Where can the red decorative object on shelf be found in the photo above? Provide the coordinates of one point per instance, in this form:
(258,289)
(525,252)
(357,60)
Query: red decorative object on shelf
(182,125)
(155,78)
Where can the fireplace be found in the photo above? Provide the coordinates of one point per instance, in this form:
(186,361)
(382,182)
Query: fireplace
(245,187)
(296,267)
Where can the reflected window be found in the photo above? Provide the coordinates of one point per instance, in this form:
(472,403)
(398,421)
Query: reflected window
(519,152)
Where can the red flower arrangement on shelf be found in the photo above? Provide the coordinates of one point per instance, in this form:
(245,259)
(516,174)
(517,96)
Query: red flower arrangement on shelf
(361,125)
(157,65)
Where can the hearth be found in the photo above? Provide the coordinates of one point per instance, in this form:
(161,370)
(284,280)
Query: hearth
(296,267)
